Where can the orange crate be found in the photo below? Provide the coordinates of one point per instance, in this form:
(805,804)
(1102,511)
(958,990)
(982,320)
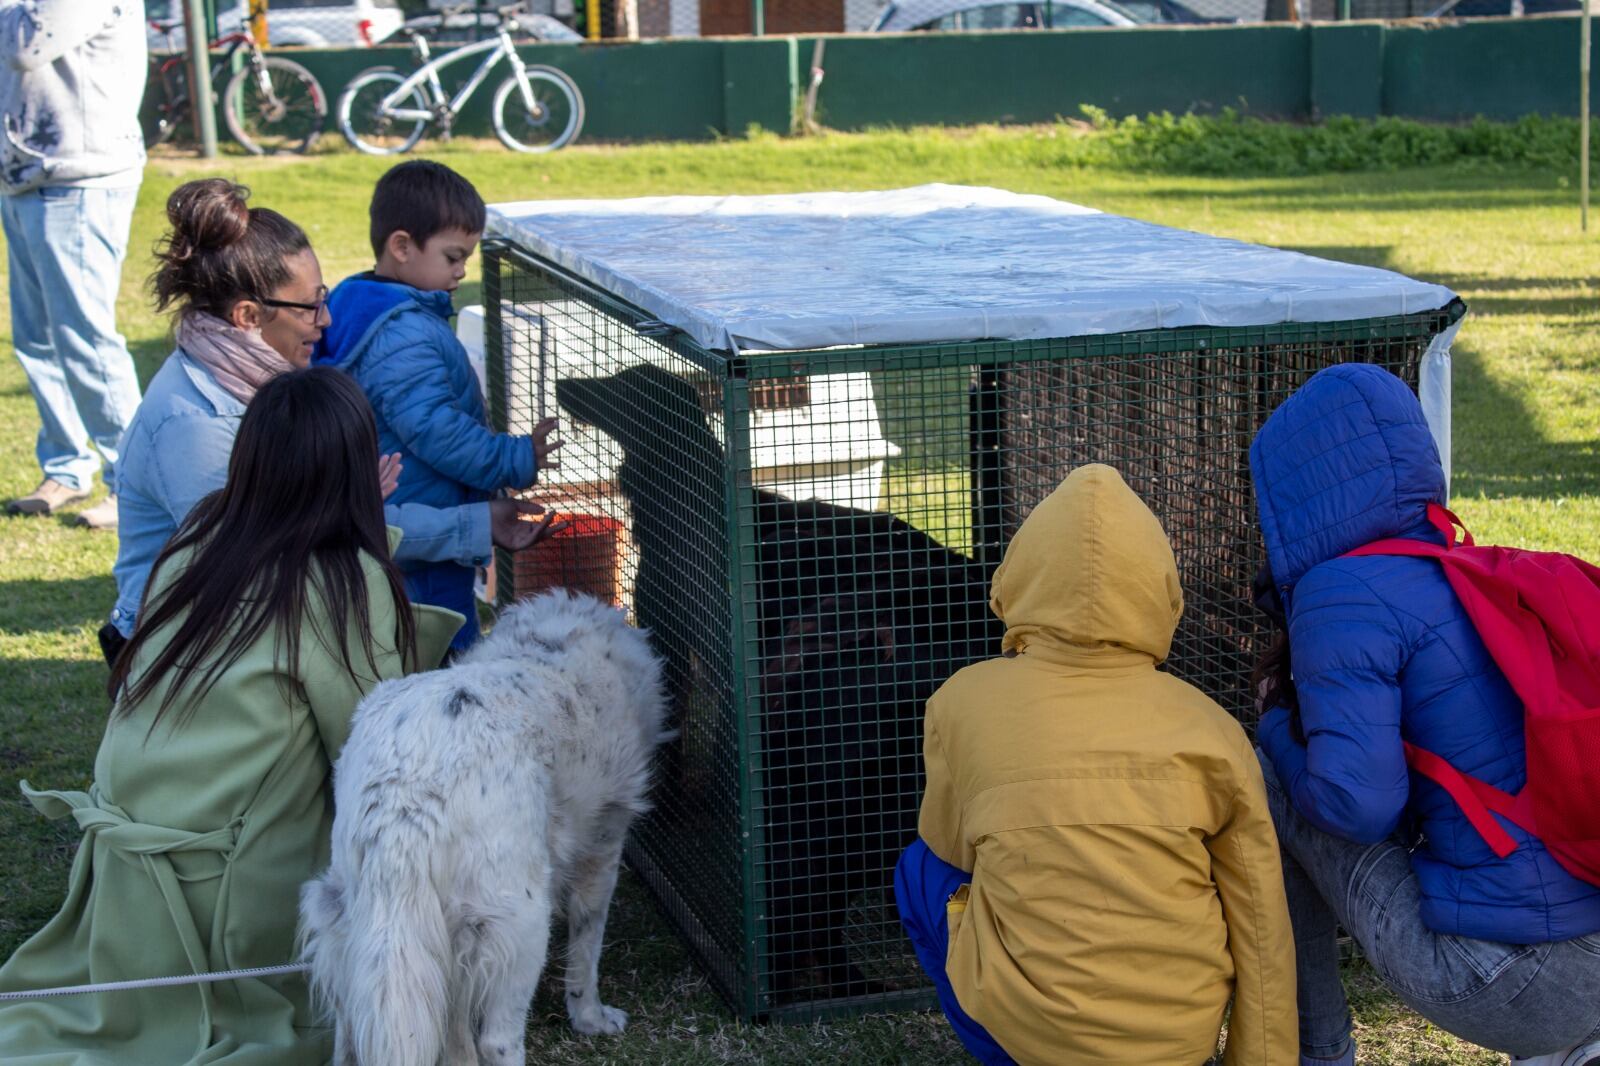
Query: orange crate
(584,557)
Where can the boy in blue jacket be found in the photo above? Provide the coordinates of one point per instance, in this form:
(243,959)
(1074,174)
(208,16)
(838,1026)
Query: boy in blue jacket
(391,332)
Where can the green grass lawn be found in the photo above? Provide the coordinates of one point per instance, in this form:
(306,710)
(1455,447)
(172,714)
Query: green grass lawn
(1527,469)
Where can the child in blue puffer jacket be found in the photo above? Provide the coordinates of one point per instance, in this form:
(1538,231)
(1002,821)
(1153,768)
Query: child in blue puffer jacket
(391,332)
(1504,952)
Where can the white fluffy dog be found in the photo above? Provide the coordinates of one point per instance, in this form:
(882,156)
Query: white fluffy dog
(474,802)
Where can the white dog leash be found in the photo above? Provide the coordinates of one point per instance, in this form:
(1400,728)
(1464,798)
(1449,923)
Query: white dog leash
(158,982)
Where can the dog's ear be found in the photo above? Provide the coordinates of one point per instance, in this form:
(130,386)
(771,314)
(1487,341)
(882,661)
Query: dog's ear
(584,399)
(652,413)
(610,405)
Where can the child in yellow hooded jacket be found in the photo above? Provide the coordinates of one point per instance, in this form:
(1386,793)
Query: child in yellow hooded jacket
(1096,873)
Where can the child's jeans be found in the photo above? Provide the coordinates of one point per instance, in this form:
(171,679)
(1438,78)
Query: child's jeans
(1528,1000)
(447,585)
(923,884)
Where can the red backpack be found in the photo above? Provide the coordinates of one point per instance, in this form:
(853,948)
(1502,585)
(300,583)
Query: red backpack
(1538,613)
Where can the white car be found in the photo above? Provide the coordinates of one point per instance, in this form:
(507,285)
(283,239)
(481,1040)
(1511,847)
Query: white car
(314,23)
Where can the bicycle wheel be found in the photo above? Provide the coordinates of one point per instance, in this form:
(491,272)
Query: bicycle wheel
(363,122)
(163,122)
(275,108)
(554,121)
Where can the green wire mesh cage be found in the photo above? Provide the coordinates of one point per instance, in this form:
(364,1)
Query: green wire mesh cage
(809,536)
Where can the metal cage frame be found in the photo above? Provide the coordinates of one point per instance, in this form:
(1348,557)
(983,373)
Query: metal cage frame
(741,952)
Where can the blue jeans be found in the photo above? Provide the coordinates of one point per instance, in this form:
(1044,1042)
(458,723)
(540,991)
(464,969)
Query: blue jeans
(1524,999)
(923,883)
(447,585)
(66,247)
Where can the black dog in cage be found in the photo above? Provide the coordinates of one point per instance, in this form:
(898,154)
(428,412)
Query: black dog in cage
(860,617)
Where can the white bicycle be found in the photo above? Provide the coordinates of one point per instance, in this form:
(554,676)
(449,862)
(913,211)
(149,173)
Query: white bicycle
(536,109)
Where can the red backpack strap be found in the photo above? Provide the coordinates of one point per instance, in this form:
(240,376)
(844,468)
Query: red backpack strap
(1475,798)
(1442,519)
(1446,522)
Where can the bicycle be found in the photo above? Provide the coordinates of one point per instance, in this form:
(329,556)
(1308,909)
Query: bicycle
(271,105)
(536,109)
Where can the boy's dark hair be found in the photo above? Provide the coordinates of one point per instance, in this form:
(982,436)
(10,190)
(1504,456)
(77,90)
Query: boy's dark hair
(423,197)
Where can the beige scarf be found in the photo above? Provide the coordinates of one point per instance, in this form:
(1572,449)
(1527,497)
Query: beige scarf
(239,359)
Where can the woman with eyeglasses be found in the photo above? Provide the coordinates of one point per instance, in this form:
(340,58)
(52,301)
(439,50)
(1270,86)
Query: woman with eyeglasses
(249,304)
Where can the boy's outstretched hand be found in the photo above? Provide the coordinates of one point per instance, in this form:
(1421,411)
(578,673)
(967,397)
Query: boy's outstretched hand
(388,473)
(510,526)
(543,446)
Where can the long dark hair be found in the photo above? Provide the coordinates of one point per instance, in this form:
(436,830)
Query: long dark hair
(301,506)
(221,251)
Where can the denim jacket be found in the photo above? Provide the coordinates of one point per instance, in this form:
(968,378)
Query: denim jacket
(176,451)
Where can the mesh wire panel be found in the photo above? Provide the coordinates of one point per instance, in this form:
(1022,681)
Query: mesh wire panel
(652,540)
(809,537)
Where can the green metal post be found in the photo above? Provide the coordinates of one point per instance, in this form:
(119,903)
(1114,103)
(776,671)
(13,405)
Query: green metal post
(198,35)
(743,575)
(211,20)
(758,17)
(1344,10)
(1583,117)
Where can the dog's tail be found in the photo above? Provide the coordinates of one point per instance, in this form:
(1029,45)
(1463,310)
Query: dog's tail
(379,950)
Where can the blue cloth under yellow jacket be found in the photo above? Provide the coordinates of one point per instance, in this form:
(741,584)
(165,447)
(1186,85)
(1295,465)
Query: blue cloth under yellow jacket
(1383,653)
(397,343)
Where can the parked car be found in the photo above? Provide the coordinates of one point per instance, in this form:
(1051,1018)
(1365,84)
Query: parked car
(460,27)
(902,16)
(1153,11)
(314,23)
(1482,9)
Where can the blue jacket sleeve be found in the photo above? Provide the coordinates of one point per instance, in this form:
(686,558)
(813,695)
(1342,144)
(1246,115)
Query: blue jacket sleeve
(410,387)
(441,534)
(1350,777)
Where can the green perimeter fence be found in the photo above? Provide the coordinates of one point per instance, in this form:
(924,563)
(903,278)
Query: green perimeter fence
(698,89)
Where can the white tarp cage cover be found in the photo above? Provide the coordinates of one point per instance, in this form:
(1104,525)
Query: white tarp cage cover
(942,264)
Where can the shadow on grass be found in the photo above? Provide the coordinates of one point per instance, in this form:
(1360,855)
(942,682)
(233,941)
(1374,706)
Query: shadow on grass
(35,605)
(1499,449)
(1374,192)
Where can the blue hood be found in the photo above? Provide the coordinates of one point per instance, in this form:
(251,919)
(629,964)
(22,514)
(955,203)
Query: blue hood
(1348,459)
(360,306)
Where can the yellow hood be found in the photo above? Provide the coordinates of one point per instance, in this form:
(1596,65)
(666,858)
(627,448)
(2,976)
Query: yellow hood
(1090,568)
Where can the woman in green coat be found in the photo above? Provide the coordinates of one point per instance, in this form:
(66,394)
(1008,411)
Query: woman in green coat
(271,612)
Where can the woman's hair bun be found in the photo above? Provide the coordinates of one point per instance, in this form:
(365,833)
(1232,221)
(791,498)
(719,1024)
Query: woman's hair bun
(208,215)
(219,250)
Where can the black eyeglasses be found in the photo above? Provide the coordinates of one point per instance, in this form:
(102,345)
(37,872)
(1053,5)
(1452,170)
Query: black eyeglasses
(322,301)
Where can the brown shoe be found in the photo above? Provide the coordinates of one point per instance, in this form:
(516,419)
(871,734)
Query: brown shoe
(48,498)
(102,515)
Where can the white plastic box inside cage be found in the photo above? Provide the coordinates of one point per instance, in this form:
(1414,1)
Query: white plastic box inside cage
(796,449)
